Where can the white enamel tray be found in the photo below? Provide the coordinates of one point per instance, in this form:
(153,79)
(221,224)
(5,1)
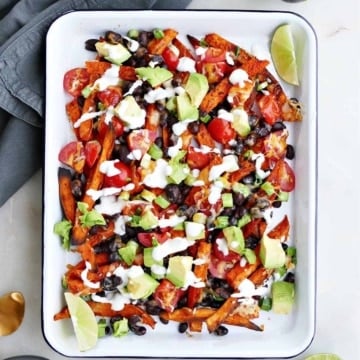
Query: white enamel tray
(284,336)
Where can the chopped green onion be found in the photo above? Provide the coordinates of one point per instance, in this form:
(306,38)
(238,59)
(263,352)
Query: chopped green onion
(268,188)
(283,196)
(244,220)
(227,200)
(237,51)
(158,33)
(291,251)
(133,33)
(86,91)
(282,270)
(241,188)
(221,222)
(205,119)
(265,303)
(203,43)
(250,256)
(148,195)
(121,327)
(261,86)
(124,195)
(155,152)
(102,325)
(162,202)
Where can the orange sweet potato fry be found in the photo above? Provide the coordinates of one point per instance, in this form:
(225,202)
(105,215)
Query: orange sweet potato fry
(183,49)
(246,168)
(215,96)
(281,230)
(96,68)
(157,46)
(204,138)
(239,273)
(260,275)
(86,127)
(67,200)
(219,316)
(217,41)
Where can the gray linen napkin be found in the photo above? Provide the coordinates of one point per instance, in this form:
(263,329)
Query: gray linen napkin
(23,27)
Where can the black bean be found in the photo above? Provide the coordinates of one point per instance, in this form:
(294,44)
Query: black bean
(160,106)
(223,293)
(279,125)
(251,242)
(159,142)
(153,308)
(276,204)
(113,37)
(253,121)
(290,152)
(289,277)
(239,147)
(185,210)
(249,179)
(163,320)
(143,38)
(251,139)
(138,330)
(121,152)
(221,331)
(81,101)
(110,282)
(133,320)
(77,188)
(90,44)
(238,198)
(262,203)
(284,246)
(194,127)
(173,193)
(262,131)
(114,256)
(163,118)
(233,220)
(183,326)
(227,211)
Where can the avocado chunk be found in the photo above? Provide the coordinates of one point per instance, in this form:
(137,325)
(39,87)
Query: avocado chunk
(185,109)
(241,122)
(234,238)
(148,220)
(115,53)
(194,230)
(141,286)
(154,76)
(128,252)
(197,87)
(178,269)
(179,170)
(129,111)
(272,254)
(283,297)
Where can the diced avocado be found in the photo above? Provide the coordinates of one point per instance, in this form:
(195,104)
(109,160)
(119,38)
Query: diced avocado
(178,268)
(129,111)
(148,220)
(162,202)
(200,218)
(197,87)
(148,195)
(154,76)
(128,252)
(142,286)
(148,258)
(234,238)
(171,104)
(241,122)
(115,53)
(194,230)
(185,109)
(179,170)
(283,296)
(272,254)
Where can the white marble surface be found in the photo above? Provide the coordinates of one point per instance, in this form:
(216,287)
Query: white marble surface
(338,282)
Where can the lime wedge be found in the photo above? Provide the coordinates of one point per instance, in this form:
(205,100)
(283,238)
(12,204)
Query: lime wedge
(83,320)
(283,54)
(323,357)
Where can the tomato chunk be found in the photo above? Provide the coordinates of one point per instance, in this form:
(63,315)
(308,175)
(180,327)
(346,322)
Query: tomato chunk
(269,108)
(120,179)
(92,151)
(282,176)
(75,80)
(73,155)
(221,130)
(197,159)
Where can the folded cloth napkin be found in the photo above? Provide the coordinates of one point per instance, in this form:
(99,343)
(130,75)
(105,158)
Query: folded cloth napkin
(23,27)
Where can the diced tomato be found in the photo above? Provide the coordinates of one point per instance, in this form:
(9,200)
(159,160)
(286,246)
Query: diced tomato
(214,55)
(73,155)
(167,295)
(110,96)
(120,179)
(231,256)
(196,159)
(170,58)
(221,130)
(117,125)
(281,230)
(92,151)
(141,140)
(282,176)
(215,72)
(218,268)
(148,239)
(75,80)
(269,108)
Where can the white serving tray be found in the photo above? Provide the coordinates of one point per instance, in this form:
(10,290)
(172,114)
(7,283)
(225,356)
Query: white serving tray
(284,336)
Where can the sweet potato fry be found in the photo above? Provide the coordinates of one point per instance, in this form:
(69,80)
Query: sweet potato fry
(184,51)
(217,41)
(195,326)
(193,41)
(157,46)
(215,96)
(219,316)
(238,273)
(281,230)
(200,271)
(96,178)
(260,275)
(246,168)
(96,68)
(204,138)
(67,200)
(86,127)
(127,73)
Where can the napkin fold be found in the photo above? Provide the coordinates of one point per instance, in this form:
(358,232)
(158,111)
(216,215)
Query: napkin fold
(23,28)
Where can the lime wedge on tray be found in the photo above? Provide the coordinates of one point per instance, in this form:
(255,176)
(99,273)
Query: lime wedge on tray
(282,50)
(83,320)
(323,357)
